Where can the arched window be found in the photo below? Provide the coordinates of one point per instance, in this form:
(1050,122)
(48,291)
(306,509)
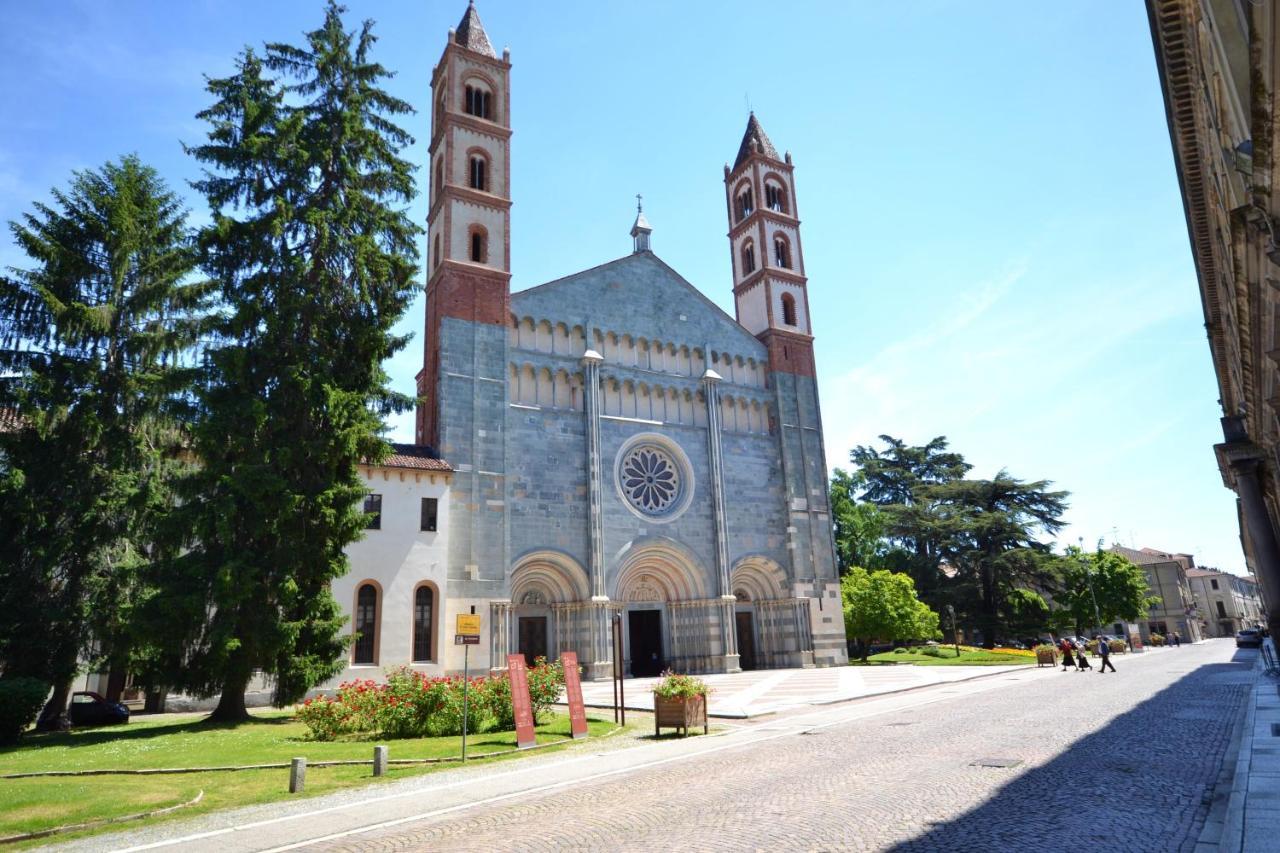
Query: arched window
(479,246)
(748,258)
(775,198)
(788,309)
(781,252)
(423,611)
(479,173)
(479,102)
(746,204)
(439,184)
(366,625)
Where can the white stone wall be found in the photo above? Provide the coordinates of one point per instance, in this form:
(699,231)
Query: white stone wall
(466,214)
(797,292)
(753,310)
(464,139)
(398,557)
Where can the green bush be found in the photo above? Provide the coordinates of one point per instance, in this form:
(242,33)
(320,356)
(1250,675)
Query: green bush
(1045,647)
(1156,639)
(933,651)
(677,686)
(20,701)
(900,650)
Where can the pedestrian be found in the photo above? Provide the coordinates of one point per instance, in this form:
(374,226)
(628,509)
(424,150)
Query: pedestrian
(1104,649)
(1177,641)
(1068,660)
(1082,658)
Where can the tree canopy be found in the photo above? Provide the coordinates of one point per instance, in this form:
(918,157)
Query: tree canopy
(1119,586)
(882,605)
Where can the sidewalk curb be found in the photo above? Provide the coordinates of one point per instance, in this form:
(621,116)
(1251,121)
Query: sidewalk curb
(1224,826)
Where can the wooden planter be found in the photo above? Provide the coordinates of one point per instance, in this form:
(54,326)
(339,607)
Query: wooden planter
(680,714)
(1049,657)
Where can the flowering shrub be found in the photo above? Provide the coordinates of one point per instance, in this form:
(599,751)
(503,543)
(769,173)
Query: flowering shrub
(1045,647)
(1157,639)
(1023,653)
(676,686)
(412,704)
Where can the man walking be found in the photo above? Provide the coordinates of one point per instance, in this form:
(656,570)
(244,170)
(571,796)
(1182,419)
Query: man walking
(1104,649)
(1177,641)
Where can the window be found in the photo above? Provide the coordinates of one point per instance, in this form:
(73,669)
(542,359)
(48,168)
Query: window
(1222,610)
(781,253)
(1213,582)
(366,625)
(477,247)
(436,251)
(746,204)
(478,176)
(748,259)
(774,198)
(478,102)
(788,309)
(429,514)
(423,602)
(439,185)
(373,509)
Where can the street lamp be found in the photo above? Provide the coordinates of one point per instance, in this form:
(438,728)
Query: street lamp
(955,635)
(1088,574)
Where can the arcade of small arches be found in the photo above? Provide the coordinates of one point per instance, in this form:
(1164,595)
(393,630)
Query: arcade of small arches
(545,388)
(638,352)
(668,606)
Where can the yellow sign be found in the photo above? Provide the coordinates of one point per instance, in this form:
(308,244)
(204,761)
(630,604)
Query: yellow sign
(468,623)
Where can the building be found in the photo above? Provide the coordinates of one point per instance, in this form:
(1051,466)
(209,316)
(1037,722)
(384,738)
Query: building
(1218,62)
(617,446)
(1226,602)
(1167,580)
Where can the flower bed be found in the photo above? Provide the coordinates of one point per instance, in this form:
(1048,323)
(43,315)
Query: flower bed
(411,704)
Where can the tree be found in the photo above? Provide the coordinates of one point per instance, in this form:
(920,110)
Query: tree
(92,339)
(1119,586)
(989,534)
(858,527)
(882,605)
(895,480)
(314,255)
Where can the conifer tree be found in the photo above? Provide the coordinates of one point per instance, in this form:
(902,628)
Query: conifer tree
(315,257)
(92,338)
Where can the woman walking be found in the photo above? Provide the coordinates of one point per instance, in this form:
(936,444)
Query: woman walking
(1068,660)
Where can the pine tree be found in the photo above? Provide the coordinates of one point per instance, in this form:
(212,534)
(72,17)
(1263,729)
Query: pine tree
(315,258)
(92,339)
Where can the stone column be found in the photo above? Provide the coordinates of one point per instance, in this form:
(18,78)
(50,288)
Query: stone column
(728,635)
(600,665)
(499,612)
(1246,461)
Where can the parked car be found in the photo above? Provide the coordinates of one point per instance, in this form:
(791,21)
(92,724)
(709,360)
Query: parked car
(91,709)
(1248,637)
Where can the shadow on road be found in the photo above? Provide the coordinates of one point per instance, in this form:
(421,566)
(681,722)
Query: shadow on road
(1141,782)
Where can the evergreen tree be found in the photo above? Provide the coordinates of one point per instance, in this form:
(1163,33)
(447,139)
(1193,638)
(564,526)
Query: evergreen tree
(315,258)
(91,345)
(857,526)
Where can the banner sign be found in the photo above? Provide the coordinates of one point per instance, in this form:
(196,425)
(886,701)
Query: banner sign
(520,702)
(573,690)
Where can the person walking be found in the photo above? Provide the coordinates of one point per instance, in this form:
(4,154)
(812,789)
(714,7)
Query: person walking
(1104,649)
(1068,660)
(1177,641)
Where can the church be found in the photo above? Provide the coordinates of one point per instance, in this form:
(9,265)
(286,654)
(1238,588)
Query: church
(608,444)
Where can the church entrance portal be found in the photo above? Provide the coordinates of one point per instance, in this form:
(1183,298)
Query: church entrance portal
(645,632)
(533,638)
(746,640)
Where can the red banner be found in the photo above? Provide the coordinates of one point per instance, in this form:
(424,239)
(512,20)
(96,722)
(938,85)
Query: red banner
(520,702)
(573,689)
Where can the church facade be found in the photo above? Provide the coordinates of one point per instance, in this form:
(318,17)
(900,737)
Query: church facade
(607,445)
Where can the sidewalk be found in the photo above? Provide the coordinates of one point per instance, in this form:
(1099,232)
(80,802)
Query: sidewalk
(1246,818)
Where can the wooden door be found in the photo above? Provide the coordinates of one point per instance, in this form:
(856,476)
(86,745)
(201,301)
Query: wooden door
(746,640)
(533,638)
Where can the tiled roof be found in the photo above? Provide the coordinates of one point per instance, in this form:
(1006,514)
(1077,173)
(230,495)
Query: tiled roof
(416,456)
(754,136)
(1144,557)
(471,35)
(10,420)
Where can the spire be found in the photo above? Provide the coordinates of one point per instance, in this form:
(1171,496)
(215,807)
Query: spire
(754,140)
(641,230)
(470,33)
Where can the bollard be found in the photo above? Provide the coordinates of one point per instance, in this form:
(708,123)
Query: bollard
(297,775)
(379,760)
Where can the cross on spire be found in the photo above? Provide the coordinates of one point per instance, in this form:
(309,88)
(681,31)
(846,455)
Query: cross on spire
(641,230)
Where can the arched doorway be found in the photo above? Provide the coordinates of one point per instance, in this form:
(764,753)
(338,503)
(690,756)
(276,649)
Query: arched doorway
(547,590)
(770,625)
(668,619)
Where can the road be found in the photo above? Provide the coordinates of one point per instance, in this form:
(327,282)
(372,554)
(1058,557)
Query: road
(1122,761)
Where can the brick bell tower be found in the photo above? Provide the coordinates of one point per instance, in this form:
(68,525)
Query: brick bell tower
(468,223)
(771,297)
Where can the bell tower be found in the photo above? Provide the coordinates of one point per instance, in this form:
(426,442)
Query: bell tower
(469,218)
(769,283)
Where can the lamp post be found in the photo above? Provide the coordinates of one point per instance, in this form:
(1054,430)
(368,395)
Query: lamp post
(955,635)
(1097,616)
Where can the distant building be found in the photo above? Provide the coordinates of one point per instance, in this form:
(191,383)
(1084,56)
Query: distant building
(1219,61)
(1226,602)
(1167,580)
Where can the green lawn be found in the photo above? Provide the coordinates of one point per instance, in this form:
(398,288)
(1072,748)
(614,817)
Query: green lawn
(29,805)
(980,657)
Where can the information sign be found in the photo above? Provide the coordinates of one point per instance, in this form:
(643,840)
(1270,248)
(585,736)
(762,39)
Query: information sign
(469,623)
(573,690)
(520,702)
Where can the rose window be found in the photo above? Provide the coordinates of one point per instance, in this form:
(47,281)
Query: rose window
(650,479)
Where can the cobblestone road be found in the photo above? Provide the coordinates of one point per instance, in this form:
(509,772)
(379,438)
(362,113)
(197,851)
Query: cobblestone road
(1114,762)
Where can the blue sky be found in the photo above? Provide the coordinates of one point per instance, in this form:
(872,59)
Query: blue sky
(992,228)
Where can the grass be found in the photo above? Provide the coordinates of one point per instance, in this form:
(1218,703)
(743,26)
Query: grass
(968,657)
(30,805)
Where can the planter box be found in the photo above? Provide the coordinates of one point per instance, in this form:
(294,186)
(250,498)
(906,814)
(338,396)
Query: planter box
(680,714)
(1047,657)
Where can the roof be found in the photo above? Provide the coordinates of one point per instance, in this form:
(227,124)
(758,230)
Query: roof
(754,138)
(470,33)
(419,457)
(10,420)
(1145,557)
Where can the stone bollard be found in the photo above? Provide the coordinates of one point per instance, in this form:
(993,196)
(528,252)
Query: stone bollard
(297,775)
(379,760)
